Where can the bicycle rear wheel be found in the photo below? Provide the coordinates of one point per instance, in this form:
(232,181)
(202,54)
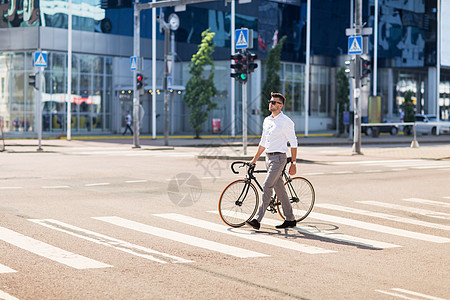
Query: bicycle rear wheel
(238,203)
(301,195)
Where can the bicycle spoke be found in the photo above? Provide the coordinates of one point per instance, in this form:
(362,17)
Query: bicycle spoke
(301,195)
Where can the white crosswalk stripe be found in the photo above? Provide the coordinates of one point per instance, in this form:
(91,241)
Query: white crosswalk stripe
(383,216)
(5,269)
(6,296)
(406,294)
(379,228)
(329,235)
(101,239)
(424,212)
(406,163)
(245,234)
(429,202)
(48,251)
(180,237)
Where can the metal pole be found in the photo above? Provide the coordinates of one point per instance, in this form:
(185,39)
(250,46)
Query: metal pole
(375,51)
(154,72)
(357,111)
(166,89)
(233,83)
(136,50)
(172,74)
(39,108)
(307,68)
(244,117)
(69,74)
(438,63)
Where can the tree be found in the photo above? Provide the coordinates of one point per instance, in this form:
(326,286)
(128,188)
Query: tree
(200,88)
(273,81)
(342,93)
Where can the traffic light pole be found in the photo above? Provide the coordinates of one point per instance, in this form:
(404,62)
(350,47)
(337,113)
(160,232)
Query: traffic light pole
(357,103)
(136,52)
(244,117)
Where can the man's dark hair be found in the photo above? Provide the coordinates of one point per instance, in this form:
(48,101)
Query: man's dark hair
(279,96)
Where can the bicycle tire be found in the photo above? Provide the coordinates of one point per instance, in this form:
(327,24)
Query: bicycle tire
(302,197)
(235,213)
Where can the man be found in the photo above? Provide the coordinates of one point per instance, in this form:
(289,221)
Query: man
(278,130)
(128,123)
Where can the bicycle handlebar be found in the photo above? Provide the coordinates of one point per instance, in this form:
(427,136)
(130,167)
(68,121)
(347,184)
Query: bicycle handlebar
(242,163)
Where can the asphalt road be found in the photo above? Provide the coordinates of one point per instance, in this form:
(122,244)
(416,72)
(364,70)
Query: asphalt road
(104,221)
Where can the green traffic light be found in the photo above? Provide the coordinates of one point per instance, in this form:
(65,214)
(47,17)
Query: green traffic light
(243,76)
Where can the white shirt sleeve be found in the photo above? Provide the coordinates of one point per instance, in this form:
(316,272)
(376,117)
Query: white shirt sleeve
(290,134)
(263,141)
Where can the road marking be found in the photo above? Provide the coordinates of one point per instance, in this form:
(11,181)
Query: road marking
(110,242)
(310,174)
(6,296)
(424,212)
(400,169)
(372,171)
(11,188)
(383,216)
(425,201)
(374,162)
(5,269)
(97,184)
(136,181)
(379,228)
(56,187)
(329,235)
(408,293)
(342,172)
(182,238)
(244,234)
(48,251)
(430,167)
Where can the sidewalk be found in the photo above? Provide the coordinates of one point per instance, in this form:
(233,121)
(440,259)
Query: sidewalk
(321,147)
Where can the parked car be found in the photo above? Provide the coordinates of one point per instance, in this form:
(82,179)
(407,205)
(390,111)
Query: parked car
(376,130)
(426,124)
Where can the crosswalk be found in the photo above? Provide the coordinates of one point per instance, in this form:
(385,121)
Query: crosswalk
(223,240)
(403,164)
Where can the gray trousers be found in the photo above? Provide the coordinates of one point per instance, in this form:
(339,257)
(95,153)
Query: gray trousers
(275,164)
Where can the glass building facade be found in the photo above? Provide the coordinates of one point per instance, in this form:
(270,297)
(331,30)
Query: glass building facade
(102,45)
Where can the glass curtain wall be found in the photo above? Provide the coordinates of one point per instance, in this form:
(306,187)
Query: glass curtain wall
(91,93)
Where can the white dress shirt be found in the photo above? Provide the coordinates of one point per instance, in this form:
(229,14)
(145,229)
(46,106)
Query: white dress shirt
(277,132)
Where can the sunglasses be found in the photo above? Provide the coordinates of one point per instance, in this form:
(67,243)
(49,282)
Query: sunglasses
(274,102)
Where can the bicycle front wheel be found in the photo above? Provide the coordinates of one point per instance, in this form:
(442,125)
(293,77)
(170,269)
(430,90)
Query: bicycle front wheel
(238,203)
(301,195)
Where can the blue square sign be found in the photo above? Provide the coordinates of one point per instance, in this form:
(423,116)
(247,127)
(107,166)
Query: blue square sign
(355,45)
(40,59)
(242,38)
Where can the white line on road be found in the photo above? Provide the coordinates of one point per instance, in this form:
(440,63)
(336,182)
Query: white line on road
(244,234)
(416,294)
(6,296)
(329,235)
(310,174)
(425,201)
(136,181)
(399,169)
(5,269)
(342,172)
(48,251)
(55,187)
(379,228)
(11,187)
(424,212)
(372,171)
(109,241)
(383,216)
(182,238)
(97,184)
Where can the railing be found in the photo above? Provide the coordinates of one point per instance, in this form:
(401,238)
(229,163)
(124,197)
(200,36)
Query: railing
(414,143)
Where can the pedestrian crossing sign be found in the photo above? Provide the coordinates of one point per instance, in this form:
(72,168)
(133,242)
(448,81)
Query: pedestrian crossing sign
(355,45)
(133,63)
(242,38)
(40,59)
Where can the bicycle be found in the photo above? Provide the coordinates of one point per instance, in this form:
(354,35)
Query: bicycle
(239,200)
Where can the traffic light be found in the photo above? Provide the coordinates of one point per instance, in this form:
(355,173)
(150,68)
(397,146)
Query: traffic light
(240,67)
(350,68)
(251,62)
(32,80)
(366,68)
(139,81)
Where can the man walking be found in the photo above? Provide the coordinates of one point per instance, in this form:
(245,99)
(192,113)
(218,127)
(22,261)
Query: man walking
(278,130)
(128,123)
